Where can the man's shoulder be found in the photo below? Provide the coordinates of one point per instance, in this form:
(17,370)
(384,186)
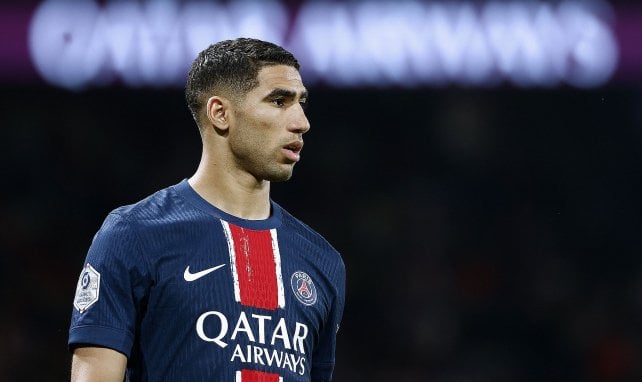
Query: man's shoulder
(317,248)
(157,205)
(306,232)
(164,207)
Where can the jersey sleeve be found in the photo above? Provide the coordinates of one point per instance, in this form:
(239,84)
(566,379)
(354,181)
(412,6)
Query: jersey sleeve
(111,289)
(324,354)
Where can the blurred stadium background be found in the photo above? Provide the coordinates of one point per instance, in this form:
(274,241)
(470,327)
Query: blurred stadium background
(477,164)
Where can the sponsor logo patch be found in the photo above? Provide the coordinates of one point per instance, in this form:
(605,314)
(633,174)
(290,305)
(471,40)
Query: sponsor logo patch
(303,288)
(88,288)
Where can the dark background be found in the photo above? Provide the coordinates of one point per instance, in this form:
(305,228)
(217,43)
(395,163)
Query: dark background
(488,235)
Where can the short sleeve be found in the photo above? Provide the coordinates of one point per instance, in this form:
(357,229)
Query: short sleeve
(324,354)
(111,289)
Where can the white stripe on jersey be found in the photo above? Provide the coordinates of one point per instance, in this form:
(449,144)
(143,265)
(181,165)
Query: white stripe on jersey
(230,246)
(277,261)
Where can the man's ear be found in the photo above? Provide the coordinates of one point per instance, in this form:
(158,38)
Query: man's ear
(217,109)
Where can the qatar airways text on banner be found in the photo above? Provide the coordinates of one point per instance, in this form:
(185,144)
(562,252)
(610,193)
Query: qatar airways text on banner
(403,43)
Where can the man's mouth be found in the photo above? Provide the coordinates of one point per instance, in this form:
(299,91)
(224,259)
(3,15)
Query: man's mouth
(293,150)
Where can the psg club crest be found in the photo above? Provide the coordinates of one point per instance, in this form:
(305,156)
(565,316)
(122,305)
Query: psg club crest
(87,289)
(303,288)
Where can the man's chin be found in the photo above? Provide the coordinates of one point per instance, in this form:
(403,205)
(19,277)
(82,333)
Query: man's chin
(281,177)
(282,174)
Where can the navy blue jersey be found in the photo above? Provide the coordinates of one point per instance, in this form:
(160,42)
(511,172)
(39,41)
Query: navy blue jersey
(188,292)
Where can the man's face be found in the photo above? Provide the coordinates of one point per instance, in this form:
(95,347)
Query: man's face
(267,125)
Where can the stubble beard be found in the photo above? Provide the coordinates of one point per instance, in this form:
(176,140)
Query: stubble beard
(262,164)
(264,169)
(278,172)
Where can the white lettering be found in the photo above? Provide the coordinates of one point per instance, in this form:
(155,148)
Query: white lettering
(323,35)
(262,320)
(278,333)
(380,43)
(59,37)
(238,353)
(300,334)
(222,332)
(297,363)
(120,23)
(281,332)
(208,22)
(242,325)
(258,355)
(287,362)
(276,357)
(273,358)
(265,19)
(160,51)
(593,50)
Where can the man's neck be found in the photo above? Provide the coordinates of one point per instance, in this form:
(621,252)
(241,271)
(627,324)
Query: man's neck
(240,195)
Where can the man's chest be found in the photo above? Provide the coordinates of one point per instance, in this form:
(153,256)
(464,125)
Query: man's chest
(249,298)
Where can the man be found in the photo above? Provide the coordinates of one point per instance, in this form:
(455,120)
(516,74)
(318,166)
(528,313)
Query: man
(210,280)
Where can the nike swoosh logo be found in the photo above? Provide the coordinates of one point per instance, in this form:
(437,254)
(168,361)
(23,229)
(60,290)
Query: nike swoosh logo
(189,276)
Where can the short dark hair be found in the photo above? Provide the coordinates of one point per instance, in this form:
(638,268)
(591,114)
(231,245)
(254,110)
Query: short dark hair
(231,68)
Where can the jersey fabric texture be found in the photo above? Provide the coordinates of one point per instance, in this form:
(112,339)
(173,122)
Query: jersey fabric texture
(189,292)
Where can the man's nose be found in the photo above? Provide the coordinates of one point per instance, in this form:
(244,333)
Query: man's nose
(300,123)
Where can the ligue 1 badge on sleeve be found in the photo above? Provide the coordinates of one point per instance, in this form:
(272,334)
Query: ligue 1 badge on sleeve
(88,288)
(303,288)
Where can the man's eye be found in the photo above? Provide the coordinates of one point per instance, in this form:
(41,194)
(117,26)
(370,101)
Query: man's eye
(303,103)
(278,102)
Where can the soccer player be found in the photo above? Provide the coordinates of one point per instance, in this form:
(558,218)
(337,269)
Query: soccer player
(209,279)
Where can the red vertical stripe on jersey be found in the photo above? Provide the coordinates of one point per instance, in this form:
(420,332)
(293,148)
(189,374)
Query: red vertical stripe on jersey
(258,376)
(255,267)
